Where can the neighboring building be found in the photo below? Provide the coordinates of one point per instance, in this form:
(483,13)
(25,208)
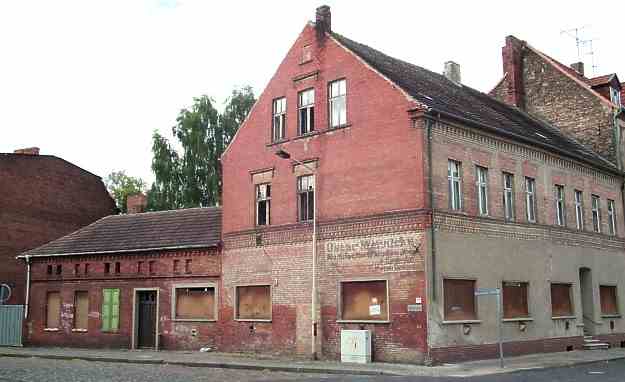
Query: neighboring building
(131,281)
(42,197)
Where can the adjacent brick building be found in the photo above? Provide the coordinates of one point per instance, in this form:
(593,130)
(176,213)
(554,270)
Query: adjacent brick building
(42,197)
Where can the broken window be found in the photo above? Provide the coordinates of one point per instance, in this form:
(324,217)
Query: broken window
(579,210)
(279,119)
(306,197)
(306,106)
(508,195)
(306,53)
(596,213)
(530,199)
(81,310)
(118,267)
(561,304)
(107,268)
(176,266)
(560,206)
(459,296)
(53,310)
(609,303)
(482,189)
(454,173)
(337,92)
(110,310)
(364,300)
(195,303)
(263,204)
(515,300)
(611,218)
(253,302)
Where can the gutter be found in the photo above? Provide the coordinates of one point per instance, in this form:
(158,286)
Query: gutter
(120,251)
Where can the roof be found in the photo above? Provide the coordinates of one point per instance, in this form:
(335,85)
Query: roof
(39,157)
(149,231)
(459,101)
(601,80)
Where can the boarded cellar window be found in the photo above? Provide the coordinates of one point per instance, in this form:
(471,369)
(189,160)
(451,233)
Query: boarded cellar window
(459,298)
(110,310)
(253,302)
(306,197)
(53,310)
(81,310)
(561,305)
(364,300)
(195,303)
(609,303)
(263,204)
(515,300)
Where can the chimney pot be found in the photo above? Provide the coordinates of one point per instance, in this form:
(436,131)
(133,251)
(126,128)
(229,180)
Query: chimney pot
(578,67)
(323,20)
(27,151)
(136,203)
(452,72)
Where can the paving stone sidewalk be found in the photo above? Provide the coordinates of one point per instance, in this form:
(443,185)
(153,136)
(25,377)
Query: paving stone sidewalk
(247,362)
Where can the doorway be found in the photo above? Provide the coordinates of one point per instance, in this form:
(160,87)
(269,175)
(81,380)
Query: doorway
(585,285)
(146,318)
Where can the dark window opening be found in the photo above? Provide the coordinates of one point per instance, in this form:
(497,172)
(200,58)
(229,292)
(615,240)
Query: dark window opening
(459,298)
(117,267)
(187,266)
(59,269)
(515,300)
(306,197)
(263,204)
(176,266)
(107,268)
(49,270)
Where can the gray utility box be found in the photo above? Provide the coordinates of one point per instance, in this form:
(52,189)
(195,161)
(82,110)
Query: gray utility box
(356,346)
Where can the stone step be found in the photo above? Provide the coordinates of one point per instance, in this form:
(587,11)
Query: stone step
(591,340)
(596,346)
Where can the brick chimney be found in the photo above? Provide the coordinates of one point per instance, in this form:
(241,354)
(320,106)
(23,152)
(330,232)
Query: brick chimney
(27,151)
(323,21)
(136,203)
(578,67)
(452,71)
(512,57)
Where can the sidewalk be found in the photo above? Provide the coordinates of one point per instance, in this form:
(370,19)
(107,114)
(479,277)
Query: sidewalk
(235,361)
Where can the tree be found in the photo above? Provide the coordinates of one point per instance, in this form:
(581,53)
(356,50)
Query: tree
(193,177)
(121,185)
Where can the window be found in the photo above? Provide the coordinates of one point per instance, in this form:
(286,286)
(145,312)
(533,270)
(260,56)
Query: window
(611,218)
(306,106)
(176,266)
(615,95)
(459,298)
(560,206)
(515,300)
(263,204)
(53,310)
(364,301)
(482,189)
(151,267)
(306,53)
(86,269)
(454,174)
(49,270)
(139,267)
(336,103)
(187,266)
(596,213)
(579,210)
(306,197)
(508,195)
(110,310)
(76,269)
(530,199)
(561,305)
(117,267)
(253,302)
(279,119)
(609,302)
(59,269)
(81,310)
(107,268)
(194,302)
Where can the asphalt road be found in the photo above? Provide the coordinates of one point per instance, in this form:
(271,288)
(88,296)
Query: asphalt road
(40,370)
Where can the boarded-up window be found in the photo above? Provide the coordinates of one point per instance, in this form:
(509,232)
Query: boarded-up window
(110,310)
(515,300)
(609,303)
(53,310)
(364,300)
(459,299)
(561,305)
(253,302)
(81,310)
(195,303)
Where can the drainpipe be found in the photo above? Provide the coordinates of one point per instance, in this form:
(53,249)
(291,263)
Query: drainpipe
(27,300)
(431,196)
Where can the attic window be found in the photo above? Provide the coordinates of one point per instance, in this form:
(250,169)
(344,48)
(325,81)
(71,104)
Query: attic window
(306,54)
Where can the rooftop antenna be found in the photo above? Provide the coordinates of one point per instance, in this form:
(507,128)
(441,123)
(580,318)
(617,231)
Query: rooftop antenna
(584,45)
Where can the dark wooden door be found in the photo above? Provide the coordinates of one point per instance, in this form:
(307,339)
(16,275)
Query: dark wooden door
(146,328)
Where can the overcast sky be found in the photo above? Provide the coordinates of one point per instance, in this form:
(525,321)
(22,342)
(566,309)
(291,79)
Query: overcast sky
(89,81)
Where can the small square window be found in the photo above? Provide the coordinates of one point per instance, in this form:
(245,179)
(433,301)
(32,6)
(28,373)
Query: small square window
(459,297)
(253,302)
(364,300)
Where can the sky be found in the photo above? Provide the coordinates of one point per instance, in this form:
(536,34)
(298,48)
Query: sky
(90,81)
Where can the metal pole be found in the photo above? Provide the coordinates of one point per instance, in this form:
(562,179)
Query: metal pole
(499,320)
(314,271)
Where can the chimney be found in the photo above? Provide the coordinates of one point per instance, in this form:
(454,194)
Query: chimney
(452,71)
(512,57)
(323,20)
(27,151)
(136,203)
(578,67)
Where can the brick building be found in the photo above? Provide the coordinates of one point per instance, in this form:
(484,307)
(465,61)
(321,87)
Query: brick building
(42,197)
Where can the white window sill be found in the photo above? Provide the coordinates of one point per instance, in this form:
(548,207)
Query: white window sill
(618,315)
(51,329)
(79,330)
(460,322)
(518,319)
(564,317)
(194,320)
(363,321)
(252,320)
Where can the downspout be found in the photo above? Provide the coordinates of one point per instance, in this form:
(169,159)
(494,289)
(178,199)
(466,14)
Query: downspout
(27,299)
(429,123)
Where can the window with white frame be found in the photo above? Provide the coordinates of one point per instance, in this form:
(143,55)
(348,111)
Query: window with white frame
(530,199)
(508,195)
(482,189)
(279,119)
(263,204)
(611,218)
(306,197)
(454,174)
(560,206)
(615,95)
(306,106)
(596,213)
(337,94)
(579,210)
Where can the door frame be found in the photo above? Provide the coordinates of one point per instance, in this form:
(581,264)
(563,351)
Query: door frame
(135,320)
(587,297)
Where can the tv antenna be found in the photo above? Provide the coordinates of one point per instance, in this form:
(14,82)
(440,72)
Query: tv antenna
(584,45)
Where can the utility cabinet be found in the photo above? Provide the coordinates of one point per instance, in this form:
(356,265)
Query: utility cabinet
(356,346)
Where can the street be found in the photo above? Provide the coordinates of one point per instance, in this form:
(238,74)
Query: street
(35,369)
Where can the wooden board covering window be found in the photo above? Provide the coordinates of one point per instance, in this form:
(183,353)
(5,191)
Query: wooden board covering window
(254,302)
(515,300)
(195,303)
(81,310)
(561,305)
(459,298)
(361,298)
(53,310)
(609,304)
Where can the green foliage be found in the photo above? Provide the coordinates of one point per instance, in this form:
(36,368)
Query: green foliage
(121,185)
(193,178)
